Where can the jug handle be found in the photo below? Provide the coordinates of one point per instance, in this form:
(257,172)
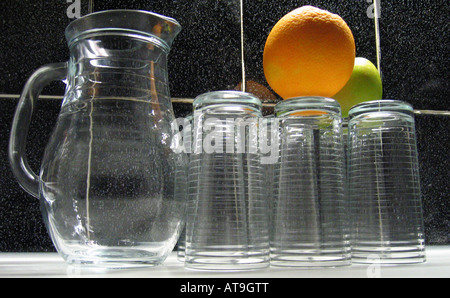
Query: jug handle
(22,119)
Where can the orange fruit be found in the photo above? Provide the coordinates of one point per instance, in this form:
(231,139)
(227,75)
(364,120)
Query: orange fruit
(309,52)
(309,113)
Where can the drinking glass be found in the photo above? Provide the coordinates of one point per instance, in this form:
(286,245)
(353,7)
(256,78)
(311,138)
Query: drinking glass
(227,217)
(309,220)
(384,186)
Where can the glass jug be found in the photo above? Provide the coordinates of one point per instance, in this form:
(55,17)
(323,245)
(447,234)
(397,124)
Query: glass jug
(107,184)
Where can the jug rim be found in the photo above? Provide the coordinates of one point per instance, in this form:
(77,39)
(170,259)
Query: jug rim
(141,22)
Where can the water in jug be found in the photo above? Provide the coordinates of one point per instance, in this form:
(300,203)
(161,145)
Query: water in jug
(107,184)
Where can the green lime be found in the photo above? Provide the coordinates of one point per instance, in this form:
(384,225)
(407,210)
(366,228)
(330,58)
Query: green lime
(364,85)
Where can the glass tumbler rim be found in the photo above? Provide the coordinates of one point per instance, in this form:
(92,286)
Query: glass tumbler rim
(227,97)
(289,106)
(383,105)
(147,24)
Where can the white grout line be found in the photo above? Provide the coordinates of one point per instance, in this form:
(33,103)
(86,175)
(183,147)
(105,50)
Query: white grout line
(191,100)
(59,97)
(41,96)
(432,112)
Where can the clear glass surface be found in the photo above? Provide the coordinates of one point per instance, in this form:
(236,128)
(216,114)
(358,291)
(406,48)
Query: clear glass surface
(227,219)
(187,146)
(384,184)
(110,185)
(309,219)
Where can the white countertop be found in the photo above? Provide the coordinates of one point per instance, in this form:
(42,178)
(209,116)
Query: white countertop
(43,265)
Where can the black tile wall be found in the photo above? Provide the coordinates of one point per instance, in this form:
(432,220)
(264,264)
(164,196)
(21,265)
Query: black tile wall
(206,54)
(416,52)
(433,139)
(206,57)
(32,34)
(413,37)
(21,227)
